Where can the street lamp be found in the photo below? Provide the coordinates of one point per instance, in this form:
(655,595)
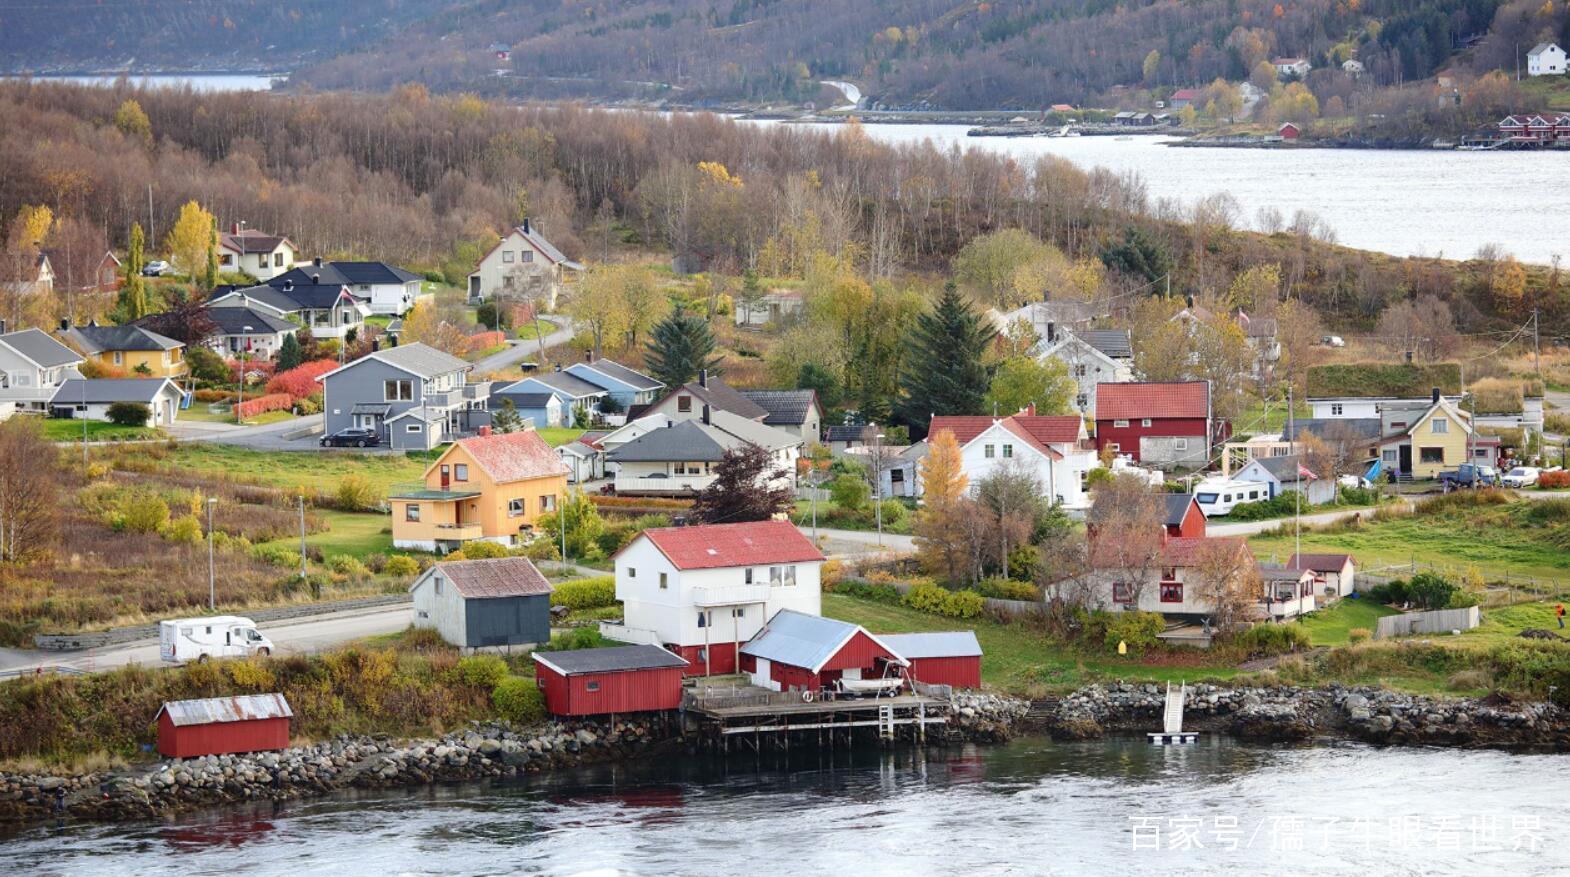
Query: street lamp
(212,586)
(877,482)
(240,382)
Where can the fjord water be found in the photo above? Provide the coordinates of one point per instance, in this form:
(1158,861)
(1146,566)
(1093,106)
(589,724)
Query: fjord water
(1030,807)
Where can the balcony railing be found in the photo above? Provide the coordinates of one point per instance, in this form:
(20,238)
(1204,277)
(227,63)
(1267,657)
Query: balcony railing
(675,484)
(730,595)
(463,532)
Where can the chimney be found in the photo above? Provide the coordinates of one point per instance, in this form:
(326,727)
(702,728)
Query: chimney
(705,415)
(558,366)
(1435,398)
(526,225)
(392,340)
(1189,299)
(485,431)
(288,285)
(316,278)
(64,325)
(1052,332)
(703,378)
(1030,410)
(317,261)
(376,344)
(234,229)
(590,357)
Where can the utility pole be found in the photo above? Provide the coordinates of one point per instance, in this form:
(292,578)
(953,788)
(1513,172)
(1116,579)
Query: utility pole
(304,574)
(1537,350)
(151,235)
(212,579)
(84,425)
(1297,500)
(561,524)
(877,484)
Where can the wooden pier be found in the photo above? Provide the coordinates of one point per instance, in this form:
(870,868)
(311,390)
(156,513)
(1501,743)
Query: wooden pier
(762,718)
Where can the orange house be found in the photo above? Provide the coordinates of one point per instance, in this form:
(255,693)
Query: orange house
(491,486)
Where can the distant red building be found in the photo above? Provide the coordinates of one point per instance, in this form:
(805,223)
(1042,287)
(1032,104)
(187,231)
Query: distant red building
(223,725)
(944,658)
(1184,517)
(622,679)
(1156,422)
(1289,131)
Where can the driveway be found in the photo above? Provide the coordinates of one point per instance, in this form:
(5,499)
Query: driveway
(526,347)
(859,543)
(267,437)
(294,636)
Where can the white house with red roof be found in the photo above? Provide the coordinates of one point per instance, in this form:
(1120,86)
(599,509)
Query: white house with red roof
(705,590)
(1056,448)
(522,266)
(1159,424)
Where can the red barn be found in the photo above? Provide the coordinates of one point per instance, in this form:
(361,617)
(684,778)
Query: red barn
(223,725)
(1184,517)
(1289,131)
(596,682)
(800,652)
(1155,423)
(943,658)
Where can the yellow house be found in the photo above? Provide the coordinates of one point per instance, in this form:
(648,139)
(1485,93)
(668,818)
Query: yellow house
(491,486)
(1441,439)
(133,350)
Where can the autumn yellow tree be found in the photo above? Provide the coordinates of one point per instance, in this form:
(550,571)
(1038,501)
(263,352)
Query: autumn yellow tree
(940,527)
(1256,288)
(31,227)
(424,325)
(188,241)
(132,121)
(1507,284)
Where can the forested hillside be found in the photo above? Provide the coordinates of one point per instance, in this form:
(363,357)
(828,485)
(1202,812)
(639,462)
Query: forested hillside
(959,54)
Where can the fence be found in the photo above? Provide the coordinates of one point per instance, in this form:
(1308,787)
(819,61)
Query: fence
(1506,590)
(1437,621)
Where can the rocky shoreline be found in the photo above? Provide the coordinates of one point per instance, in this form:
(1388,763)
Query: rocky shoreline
(1284,714)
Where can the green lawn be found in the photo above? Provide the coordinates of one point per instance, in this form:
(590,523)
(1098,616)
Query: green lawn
(291,470)
(61,430)
(199,413)
(1016,658)
(1330,627)
(830,515)
(354,533)
(1255,420)
(1507,622)
(556,436)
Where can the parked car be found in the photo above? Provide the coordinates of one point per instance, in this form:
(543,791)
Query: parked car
(1469,475)
(157,268)
(1521,476)
(220,636)
(1332,341)
(353,437)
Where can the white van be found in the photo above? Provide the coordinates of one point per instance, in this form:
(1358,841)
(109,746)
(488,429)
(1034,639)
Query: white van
(221,636)
(1219,496)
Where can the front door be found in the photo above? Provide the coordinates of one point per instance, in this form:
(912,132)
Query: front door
(446,476)
(1406,460)
(474,287)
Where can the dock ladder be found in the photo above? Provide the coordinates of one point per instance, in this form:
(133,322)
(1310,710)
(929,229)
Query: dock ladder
(1172,719)
(886,721)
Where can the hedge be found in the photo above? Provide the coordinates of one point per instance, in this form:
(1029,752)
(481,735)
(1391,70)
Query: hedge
(940,601)
(262,404)
(518,700)
(487,340)
(585,593)
(300,381)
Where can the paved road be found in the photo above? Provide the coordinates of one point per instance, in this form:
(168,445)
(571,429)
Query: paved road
(856,543)
(267,437)
(294,636)
(528,347)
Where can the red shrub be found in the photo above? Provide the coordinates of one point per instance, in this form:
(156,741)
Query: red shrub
(486,340)
(270,402)
(300,381)
(252,367)
(1553,479)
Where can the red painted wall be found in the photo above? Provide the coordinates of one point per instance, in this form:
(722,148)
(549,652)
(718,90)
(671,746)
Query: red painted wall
(627,691)
(1127,437)
(790,677)
(722,658)
(1193,523)
(962,672)
(220,738)
(860,653)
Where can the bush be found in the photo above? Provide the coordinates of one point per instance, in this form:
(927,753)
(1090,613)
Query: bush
(876,592)
(894,512)
(277,555)
(579,638)
(481,671)
(480,549)
(347,565)
(486,340)
(939,601)
(311,404)
(186,529)
(1431,591)
(1553,480)
(1007,589)
(486,315)
(849,492)
(518,700)
(128,414)
(205,366)
(1139,630)
(401,566)
(585,593)
(211,396)
(1359,635)
(1273,639)
(1394,591)
(355,494)
(145,513)
(1277,507)
(832,573)
(300,381)
(1359,496)
(263,404)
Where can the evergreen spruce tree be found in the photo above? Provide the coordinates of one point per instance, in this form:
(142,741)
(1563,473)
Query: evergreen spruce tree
(679,347)
(290,353)
(941,371)
(132,304)
(505,419)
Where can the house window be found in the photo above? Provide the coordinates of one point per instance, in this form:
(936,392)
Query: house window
(1439,426)
(261,260)
(987,451)
(437,581)
(528,255)
(1180,444)
(277,260)
(1398,424)
(413,427)
(1171,592)
(1391,455)
(896,476)
(776,575)
(703,618)
(226,260)
(739,612)
(684,404)
(1081,401)
(460,472)
(591,686)
(1114,446)
(397,391)
(632,572)
(1079,371)
(1008,451)
(507,257)
(1480,453)
(119,358)
(747,575)
(1145,422)
(1335,409)
(1431,455)
(1122,593)
(514,508)
(664,581)
(1120,424)
(411,512)
(548,503)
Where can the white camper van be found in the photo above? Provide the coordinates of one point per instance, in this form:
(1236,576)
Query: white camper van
(1218,496)
(221,636)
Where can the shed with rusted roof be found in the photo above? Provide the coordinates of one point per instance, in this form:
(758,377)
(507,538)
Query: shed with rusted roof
(223,725)
(501,601)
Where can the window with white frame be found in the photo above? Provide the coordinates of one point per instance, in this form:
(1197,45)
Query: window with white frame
(1008,451)
(437,581)
(397,391)
(1144,421)
(411,512)
(747,575)
(507,257)
(1120,424)
(515,508)
(413,427)
(460,472)
(1336,409)
(1439,426)
(664,581)
(548,503)
(1180,444)
(987,451)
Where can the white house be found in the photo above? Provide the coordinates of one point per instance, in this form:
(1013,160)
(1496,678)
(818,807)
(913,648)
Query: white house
(1092,356)
(1298,67)
(1281,474)
(1180,581)
(261,255)
(1049,446)
(702,591)
(386,289)
(1545,59)
(770,308)
(329,310)
(680,457)
(256,333)
(78,398)
(32,366)
(523,264)
(1352,67)
(1335,575)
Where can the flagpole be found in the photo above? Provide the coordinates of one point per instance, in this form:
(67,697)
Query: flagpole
(1297,515)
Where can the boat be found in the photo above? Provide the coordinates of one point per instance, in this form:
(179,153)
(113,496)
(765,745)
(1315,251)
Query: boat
(871,686)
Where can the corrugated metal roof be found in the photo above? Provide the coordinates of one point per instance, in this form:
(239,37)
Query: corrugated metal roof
(214,710)
(937,644)
(800,640)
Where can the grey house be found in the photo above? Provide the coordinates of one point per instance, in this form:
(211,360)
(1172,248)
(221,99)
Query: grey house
(502,601)
(78,398)
(795,411)
(415,397)
(32,367)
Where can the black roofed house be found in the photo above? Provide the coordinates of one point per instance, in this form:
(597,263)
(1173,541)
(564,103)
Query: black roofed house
(1335,575)
(32,367)
(573,392)
(688,401)
(328,309)
(257,333)
(502,601)
(1184,517)
(261,255)
(620,679)
(627,387)
(795,411)
(1092,356)
(91,398)
(128,349)
(678,456)
(540,409)
(386,289)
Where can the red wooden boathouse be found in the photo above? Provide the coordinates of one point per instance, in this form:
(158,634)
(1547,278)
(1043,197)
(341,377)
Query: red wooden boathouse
(800,652)
(223,725)
(939,658)
(621,679)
